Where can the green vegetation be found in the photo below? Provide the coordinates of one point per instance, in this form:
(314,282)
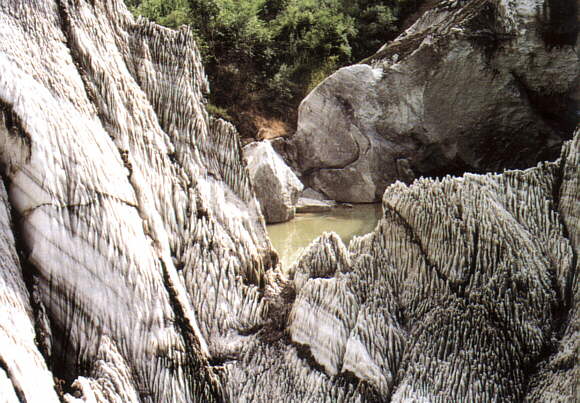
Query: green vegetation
(218,111)
(263,56)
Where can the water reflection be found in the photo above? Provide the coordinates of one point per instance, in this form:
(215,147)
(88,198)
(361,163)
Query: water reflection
(291,237)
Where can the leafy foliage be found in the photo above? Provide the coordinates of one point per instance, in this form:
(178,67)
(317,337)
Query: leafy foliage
(263,56)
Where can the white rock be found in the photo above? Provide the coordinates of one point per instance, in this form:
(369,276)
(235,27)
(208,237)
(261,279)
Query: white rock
(470,87)
(276,186)
(306,205)
(149,274)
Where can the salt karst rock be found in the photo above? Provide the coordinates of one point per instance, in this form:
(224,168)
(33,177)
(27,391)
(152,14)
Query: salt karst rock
(324,257)
(276,186)
(143,238)
(473,86)
(467,290)
(136,267)
(24,375)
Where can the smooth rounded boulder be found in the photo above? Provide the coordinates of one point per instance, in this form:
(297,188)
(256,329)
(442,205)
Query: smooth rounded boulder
(473,86)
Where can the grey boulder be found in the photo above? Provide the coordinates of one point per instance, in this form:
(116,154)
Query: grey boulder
(472,86)
(311,201)
(306,205)
(276,186)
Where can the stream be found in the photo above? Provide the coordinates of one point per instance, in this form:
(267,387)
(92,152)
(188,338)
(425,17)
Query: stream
(290,238)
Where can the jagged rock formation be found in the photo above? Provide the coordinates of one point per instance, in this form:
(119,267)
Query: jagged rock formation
(472,86)
(142,240)
(135,265)
(462,292)
(277,187)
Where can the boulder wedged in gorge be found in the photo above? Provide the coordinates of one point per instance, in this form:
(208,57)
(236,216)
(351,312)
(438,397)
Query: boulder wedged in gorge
(472,86)
(135,265)
(277,187)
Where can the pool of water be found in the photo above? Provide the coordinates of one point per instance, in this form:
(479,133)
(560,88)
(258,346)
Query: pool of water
(290,238)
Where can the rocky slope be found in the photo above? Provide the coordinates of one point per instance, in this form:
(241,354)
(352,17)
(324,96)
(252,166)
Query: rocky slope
(467,290)
(472,86)
(135,265)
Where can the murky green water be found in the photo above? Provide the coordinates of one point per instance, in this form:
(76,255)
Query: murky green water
(291,237)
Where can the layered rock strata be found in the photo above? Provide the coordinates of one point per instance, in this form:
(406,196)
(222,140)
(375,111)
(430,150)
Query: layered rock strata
(472,86)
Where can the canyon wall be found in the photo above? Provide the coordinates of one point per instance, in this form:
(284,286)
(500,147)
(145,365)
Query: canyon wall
(135,265)
(141,240)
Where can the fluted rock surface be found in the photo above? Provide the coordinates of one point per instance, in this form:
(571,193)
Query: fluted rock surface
(24,375)
(141,236)
(135,264)
(466,291)
(472,86)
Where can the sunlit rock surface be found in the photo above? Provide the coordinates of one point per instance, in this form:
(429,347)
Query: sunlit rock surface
(24,375)
(467,290)
(305,205)
(136,267)
(311,201)
(277,187)
(472,86)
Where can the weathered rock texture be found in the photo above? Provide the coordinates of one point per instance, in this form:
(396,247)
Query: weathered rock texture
(473,86)
(277,187)
(135,265)
(142,240)
(466,291)
(24,375)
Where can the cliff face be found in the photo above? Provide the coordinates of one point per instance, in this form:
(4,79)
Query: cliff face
(134,264)
(472,86)
(142,241)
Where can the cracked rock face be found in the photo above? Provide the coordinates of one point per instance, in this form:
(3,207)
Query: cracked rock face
(472,86)
(135,267)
